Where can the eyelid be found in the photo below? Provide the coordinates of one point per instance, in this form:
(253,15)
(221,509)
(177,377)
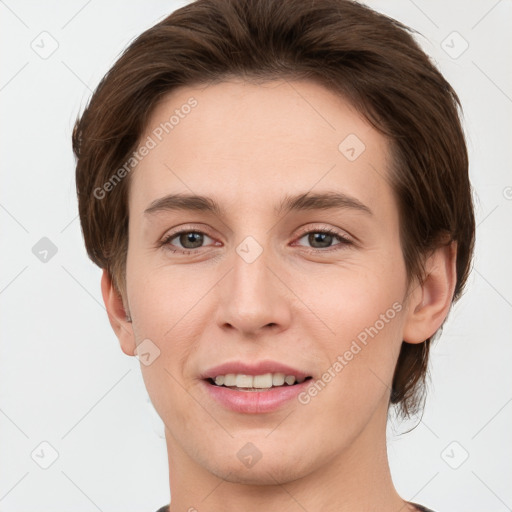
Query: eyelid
(197,228)
(322,228)
(170,235)
(344,238)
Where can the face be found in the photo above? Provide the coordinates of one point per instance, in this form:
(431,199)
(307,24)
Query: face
(258,284)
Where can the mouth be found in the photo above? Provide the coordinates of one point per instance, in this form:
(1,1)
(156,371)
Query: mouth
(256,383)
(255,394)
(254,387)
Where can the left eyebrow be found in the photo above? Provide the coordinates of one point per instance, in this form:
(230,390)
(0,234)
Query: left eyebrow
(304,201)
(321,201)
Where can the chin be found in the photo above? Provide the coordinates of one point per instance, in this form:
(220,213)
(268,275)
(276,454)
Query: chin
(259,459)
(264,472)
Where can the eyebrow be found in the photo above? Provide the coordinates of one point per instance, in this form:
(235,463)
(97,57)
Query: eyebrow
(304,201)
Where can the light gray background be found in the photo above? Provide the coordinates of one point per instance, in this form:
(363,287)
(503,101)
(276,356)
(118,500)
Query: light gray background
(63,378)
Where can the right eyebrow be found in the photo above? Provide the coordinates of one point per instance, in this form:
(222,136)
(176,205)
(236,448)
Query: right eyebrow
(189,202)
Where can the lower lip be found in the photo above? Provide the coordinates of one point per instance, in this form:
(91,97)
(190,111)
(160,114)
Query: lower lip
(255,402)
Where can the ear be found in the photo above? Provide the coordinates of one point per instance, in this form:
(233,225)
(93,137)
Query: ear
(429,302)
(117,315)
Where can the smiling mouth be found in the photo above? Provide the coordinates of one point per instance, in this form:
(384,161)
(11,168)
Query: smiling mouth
(241,382)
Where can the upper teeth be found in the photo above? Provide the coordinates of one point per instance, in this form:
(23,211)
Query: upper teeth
(266,380)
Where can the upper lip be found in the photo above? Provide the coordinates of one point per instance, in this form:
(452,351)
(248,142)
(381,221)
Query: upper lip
(259,368)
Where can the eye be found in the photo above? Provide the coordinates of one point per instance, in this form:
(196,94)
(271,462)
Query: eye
(322,238)
(190,241)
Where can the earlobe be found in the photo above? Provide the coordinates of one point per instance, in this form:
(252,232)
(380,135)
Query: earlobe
(118,317)
(430,301)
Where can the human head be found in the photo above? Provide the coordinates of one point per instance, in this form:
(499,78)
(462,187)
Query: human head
(365,57)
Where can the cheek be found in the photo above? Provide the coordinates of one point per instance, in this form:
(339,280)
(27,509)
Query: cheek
(164,299)
(357,324)
(365,313)
(349,298)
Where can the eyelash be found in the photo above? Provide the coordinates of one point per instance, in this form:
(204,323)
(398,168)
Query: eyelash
(343,241)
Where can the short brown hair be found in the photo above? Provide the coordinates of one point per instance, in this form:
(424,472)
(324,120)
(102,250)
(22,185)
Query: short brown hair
(368,58)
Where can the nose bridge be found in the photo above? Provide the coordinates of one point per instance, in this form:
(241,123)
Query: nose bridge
(250,272)
(254,297)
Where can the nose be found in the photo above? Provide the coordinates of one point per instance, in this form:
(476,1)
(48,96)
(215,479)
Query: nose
(254,297)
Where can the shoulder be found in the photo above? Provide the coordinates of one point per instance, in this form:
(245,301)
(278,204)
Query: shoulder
(421,508)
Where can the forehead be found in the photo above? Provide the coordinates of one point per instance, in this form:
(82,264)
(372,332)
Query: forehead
(241,140)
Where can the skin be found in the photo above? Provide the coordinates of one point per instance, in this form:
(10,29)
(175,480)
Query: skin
(247,145)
